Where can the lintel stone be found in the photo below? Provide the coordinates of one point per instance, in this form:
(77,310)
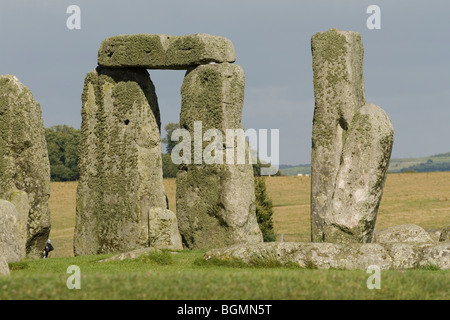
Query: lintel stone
(159,51)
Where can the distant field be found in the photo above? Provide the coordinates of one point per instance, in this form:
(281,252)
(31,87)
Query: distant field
(440,162)
(419,198)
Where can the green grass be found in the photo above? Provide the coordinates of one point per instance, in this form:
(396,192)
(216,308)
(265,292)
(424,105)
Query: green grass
(183,275)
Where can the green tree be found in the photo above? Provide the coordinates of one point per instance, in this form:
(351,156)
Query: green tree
(170,128)
(264,206)
(62,145)
(264,210)
(169,168)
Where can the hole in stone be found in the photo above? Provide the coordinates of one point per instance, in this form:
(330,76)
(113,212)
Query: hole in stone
(126,122)
(343,123)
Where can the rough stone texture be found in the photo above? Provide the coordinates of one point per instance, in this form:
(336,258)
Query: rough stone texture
(159,51)
(24,163)
(438,255)
(361,176)
(215,202)
(4,268)
(445,234)
(9,244)
(351,143)
(131,255)
(20,200)
(334,255)
(408,233)
(435,234)
(120,162)
(163,229)
(404,256)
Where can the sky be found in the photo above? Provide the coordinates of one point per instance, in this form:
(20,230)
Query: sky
(406,62)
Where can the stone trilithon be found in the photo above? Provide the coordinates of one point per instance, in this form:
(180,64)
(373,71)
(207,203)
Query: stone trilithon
(120,153)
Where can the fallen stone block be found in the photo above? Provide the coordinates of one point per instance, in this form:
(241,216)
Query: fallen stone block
(408,233)
(351,256)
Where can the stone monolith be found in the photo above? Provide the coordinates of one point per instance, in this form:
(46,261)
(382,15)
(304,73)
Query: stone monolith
(351,143)
(215,199)
(119,162)
(24,163)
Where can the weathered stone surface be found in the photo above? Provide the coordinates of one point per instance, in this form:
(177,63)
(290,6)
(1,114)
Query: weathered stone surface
(24,163)
(120,162)
(408,233)
(404,256)
(215,201)
(9,243)
(311,255)
(20,200)
(361,176)
(159,51)
(445,234)
(338,92)
(335,255)
(4,268)
(435,234)
(131,255)
(438,255)
(351,143)
(163,229)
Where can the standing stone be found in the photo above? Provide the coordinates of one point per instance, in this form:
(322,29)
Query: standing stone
(338,92)
(9,244)
(24,163)
(215,201)
(351,143)
(360,178)
(163,229)
(120,162)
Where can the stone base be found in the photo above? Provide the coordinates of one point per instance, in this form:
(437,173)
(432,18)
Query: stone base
(339,256)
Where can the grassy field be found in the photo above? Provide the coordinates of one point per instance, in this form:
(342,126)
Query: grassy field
(184,276)
(420,198)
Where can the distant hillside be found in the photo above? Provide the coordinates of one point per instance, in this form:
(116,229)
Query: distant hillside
(439,162)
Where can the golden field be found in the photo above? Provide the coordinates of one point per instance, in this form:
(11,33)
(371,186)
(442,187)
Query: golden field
(417,198)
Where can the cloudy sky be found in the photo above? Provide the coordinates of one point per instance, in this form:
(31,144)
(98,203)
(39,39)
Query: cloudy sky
(406,62)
